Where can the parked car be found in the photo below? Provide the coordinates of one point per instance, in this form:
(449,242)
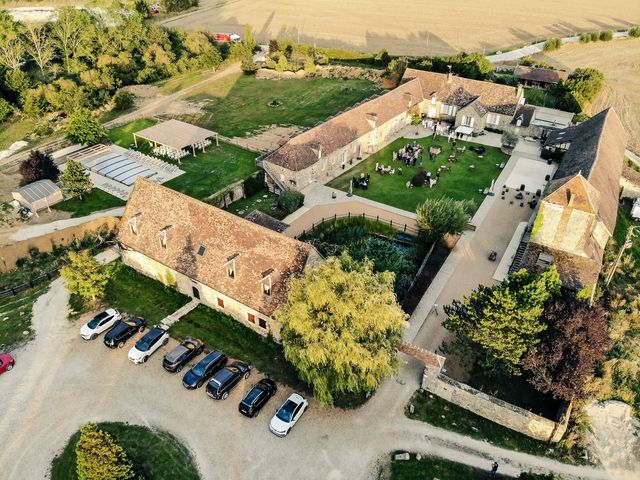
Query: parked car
(123,331)
(204,369)
(100,323)
(257,397)
(149,343)
(6,362)
(226,379)
(288,415)
(177,358)
(493,255)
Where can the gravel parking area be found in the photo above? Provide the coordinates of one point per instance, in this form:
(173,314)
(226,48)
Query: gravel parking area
(61,381)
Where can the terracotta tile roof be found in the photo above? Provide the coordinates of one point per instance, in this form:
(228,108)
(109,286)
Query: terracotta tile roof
(575,271)
(576,192)
(191,224)
(267,221)
(597,153)
(301,151)
(536,74)
(461,91)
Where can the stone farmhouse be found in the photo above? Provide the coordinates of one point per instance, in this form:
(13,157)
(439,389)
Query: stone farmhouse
(539,77)
(228,263)
(327,150)
(579,207)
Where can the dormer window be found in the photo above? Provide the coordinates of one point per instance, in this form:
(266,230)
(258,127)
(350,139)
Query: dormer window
(231,271)
(266,281)
(163,236)
(133,223)
(133,228)
(231,265)
(266,288)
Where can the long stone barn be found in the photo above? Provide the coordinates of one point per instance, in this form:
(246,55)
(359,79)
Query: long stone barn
(228,263)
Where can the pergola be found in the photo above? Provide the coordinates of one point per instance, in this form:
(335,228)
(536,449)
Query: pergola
(176,136)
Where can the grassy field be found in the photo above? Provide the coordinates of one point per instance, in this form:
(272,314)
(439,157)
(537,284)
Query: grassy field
(181,82)
(137,294)
(15,316)
(156,454)
(622,88)
(14,131)
(460,183)
(264,201)
(94,201)
(219,331)
(123,135)
(431,468)
(237,105)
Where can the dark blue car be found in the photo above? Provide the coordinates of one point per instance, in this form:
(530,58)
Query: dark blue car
(204,369)
(123,331)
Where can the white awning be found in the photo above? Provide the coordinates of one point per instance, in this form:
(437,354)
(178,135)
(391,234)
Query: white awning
(464,130)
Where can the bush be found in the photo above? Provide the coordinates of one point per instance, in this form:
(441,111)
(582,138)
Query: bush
(290,201)
(178,5)
(552,44)
(248,66)
(509,139)
(606,36)
(123,100)
(595,36)
(6,110)
(585,37)
(634,32)
(99,457)
(254,183)
(382,58)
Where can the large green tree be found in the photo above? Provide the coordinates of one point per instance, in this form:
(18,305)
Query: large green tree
(504,320)
(85,276)
(99,457)
(341,326)
(75,180)
(38,166)
(83,128)
(441,216)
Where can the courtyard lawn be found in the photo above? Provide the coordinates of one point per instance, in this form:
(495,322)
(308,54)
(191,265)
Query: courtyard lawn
(94,201)
(238,105)
(541,97)
(461,183)
(263,200)
(123,135)
(15,316)
(219,331)
(136,294)
(156,454)
(432,468)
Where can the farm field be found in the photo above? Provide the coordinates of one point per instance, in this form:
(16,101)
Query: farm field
(618,61)
(435,27)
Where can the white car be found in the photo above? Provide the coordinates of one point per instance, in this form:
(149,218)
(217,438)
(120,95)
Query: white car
(149,343)
(98,324)
(288,414)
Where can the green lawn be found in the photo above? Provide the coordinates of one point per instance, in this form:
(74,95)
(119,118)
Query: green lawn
(219,331)
(440,413)
(211,171)
(15,130)
(432,468)
(136,294)
(541,97)
(180,82)
(94,201)
(123,135)
(15,316)
(460,183)
(238,105)
(157,455)
(264,201)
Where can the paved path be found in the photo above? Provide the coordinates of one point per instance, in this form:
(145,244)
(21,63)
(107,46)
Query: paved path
(538,48)
(61,381)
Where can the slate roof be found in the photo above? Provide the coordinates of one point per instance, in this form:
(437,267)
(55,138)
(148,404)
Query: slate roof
(597,153)
(301,151)
(461,91)
(543,75)
(267,221)
(190,224)
(527,112)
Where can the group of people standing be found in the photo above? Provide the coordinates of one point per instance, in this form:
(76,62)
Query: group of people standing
(410,154)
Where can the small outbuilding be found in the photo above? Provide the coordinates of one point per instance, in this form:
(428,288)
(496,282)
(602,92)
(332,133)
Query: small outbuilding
(38,195)
(539,77)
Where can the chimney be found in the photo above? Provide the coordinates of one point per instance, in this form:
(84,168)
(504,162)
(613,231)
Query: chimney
(449,75)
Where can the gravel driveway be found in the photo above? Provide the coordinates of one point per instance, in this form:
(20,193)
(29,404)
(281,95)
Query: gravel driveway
(61,381)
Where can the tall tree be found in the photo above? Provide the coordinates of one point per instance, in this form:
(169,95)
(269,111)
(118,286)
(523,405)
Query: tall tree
(85,276)
(575,340)
(84,128)
(341,327)
(100,457)
(441,216)
(67,31)
(11,45)
(75,180)
(504,321)
(38,166)
(39,45)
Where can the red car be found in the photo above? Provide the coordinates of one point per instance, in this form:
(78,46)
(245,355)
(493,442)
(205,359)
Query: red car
(6,362)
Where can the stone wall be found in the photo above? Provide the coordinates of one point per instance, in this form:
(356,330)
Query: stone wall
(494,409)
(45,243)
(630,182)
(225,197)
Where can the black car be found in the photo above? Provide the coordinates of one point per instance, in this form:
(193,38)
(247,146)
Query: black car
(177,358)
(224,380)
(204,369)
(257,397)
(123,331)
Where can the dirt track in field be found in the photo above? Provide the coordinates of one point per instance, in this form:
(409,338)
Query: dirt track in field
(620,62)
(412,26)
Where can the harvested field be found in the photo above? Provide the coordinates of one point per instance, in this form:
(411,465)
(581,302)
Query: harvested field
(412,26)
(620,62)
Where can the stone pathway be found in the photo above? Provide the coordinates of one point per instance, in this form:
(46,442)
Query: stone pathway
(178,314)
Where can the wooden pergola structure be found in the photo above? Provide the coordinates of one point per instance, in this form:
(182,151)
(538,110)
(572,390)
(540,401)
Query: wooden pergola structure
(176,135)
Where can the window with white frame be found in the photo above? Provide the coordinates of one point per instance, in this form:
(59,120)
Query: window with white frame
(468,121)
(449,110)
(493,119)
